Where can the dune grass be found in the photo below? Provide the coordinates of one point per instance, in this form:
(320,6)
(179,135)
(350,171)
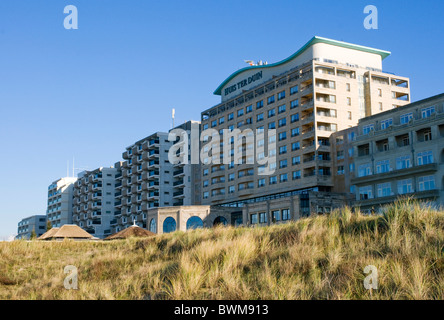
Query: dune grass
(320,257)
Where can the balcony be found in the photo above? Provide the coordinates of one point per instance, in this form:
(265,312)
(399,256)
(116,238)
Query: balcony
(179,173)
(376,202)
(179,195)
(179,184)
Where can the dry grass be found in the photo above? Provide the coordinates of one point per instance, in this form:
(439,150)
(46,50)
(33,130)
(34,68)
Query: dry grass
(316,258)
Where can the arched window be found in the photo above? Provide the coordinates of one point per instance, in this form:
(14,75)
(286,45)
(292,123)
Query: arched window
(194,223)
(169,225)
(220,221)
(153,225)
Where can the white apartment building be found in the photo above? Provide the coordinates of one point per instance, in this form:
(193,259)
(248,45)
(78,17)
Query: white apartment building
(60,194)
(93,201)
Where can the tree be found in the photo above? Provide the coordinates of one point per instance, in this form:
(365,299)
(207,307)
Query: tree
(48,225)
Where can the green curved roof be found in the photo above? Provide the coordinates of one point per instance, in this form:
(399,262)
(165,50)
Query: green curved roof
(314,40)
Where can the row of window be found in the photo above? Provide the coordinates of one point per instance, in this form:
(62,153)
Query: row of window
(402,162)
(403,119)
(260,117)
(276,216)
(425,183)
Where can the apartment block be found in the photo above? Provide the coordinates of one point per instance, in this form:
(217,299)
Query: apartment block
(93,200)
(186,175)
(26,226)
(323,88)
(400,153)
(60,195)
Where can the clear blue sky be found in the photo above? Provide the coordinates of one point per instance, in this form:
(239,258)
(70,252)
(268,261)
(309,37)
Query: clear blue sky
(91,92)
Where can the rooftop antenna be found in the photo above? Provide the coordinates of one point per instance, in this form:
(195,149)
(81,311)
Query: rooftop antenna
(134,223)
(173,113)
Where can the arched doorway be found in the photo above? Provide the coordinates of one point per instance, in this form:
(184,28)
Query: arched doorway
(220,221)
(169,225)
(153,225)
(194,223)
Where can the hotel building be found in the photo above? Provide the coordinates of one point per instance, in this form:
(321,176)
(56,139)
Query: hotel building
(325,87)
(34,223)
(93,201)
(60,195)
(400,153)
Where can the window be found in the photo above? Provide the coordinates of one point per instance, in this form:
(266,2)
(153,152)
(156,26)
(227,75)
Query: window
(405,186)
(283,150)
(294,104)
(254,218)
(384,189)
(349,101)
(283,164)
(426,183)
(295,132)
(259,104)
(205,172)
(273,180)
(403,162)
(240,112)
(347,87)
(221,120)
(272,125)
(366,129)
(206,195)
(351,152)
(295,146)
(380,92)
(213,123)
(270,100)
(383,166)
(380,106)
(231,189)
(386,123)
(349,115)
(296,175)
(285,214)
(169,225)
(340,170)
(405,118)
(260,117)
(271,113)
(282,122)
(294,90)
(294,117)
(282,136)
(364,170)
(296,160)
(261,183)
(249,109)
(427,112)
(366,193)
(263,217)
(283,177)
(425,157)
(281,109)
(230,116)
(205,126)
(276,215)
(281,95)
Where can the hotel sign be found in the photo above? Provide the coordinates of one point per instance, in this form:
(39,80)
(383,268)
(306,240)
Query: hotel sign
(243,83)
